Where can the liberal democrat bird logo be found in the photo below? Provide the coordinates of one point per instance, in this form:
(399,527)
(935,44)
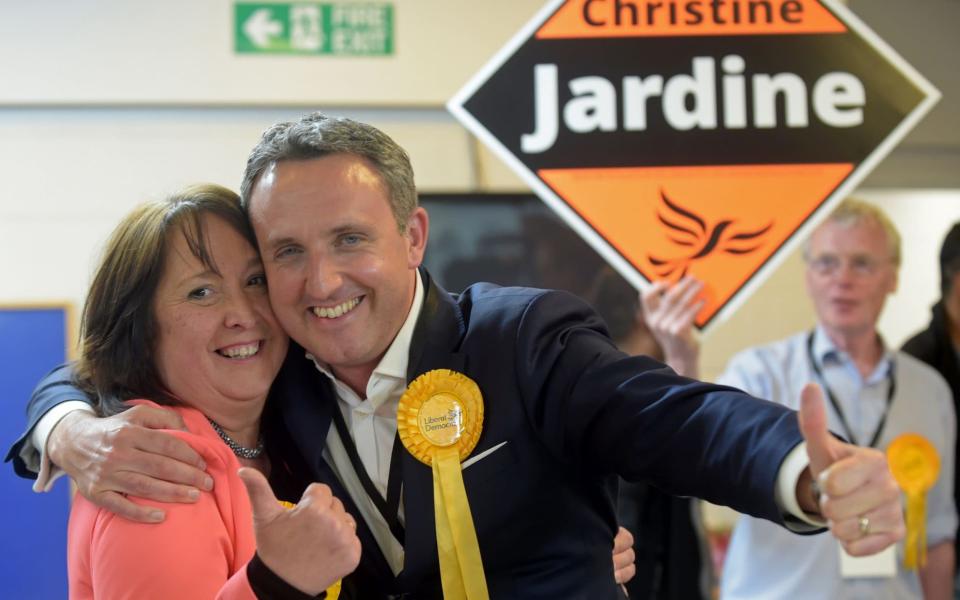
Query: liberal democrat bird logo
(690,231)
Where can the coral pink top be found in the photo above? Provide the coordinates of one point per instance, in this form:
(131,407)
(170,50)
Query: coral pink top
(199,551)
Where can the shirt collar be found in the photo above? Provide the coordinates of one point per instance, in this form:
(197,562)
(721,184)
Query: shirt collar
(823,347)
(825,351)
(397,357)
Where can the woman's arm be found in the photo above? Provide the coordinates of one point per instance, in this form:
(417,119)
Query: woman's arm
(193,553)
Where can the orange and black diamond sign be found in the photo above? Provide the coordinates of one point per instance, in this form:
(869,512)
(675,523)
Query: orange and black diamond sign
(701,137)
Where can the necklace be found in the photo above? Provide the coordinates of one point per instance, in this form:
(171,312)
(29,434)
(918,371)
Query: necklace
(240,451)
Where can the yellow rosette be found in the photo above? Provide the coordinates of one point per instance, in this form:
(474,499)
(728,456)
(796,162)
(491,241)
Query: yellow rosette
(439,419)
(915,465)
(333,592)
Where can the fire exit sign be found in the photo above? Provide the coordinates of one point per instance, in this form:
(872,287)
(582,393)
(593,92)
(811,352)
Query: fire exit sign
(305,28)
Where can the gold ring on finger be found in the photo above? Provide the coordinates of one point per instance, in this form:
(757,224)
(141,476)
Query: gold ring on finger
(864,524)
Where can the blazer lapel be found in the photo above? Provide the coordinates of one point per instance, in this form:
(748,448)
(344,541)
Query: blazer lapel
(306,398)
(439,330)
(374,563)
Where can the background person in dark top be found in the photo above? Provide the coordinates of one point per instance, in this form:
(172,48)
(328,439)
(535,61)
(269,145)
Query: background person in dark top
(939,344)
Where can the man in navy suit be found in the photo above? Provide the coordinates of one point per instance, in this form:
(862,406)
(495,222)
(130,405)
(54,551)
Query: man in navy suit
(333,205)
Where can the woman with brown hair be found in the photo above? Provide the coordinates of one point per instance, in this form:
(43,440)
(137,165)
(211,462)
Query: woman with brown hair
(178,312)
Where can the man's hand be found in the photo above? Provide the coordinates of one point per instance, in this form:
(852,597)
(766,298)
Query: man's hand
(124,454)
(310,546)
(624,567)
(669,312)
(859,497)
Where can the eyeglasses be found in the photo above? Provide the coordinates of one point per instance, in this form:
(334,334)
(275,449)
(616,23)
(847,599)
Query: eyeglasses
(860,265)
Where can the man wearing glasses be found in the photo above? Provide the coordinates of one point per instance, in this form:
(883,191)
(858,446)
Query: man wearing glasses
(874,395)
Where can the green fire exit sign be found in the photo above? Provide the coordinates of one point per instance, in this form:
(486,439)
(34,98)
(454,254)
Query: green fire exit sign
(344,29)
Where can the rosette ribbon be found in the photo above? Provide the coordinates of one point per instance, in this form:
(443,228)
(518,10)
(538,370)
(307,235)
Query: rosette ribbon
(915,465)
(439,420)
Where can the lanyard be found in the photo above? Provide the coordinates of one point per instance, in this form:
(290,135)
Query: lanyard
(389,507)
(836,405)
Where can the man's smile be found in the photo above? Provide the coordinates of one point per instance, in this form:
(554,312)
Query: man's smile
(334,312)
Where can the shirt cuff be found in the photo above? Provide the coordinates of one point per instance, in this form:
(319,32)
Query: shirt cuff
(785,493)
(267,585)
(34,450)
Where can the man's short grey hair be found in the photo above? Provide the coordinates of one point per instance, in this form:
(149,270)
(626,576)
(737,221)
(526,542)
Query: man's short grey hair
(316,135)
(853,212)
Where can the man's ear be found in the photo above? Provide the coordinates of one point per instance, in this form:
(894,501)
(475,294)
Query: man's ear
(418,229)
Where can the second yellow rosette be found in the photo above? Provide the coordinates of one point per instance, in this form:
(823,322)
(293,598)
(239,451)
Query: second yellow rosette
(915,465)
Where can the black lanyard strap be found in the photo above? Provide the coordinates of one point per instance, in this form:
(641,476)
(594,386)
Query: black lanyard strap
(389,507)
(836,405)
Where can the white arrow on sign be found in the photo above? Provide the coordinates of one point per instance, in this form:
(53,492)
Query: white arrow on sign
(259,27)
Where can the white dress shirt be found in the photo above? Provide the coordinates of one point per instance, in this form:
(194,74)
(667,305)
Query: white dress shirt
(373,424)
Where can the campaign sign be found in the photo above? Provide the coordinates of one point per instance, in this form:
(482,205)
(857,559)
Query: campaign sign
(700,137)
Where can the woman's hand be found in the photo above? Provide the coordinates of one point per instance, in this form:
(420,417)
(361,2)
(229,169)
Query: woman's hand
(624,559)
(310,546)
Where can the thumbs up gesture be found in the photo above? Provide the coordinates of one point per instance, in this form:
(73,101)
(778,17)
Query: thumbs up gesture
(310,546)
(858,496)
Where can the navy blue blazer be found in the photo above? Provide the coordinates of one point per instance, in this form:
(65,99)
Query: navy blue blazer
(573,411)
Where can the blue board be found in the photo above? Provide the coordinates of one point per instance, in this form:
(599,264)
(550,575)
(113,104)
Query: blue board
(33,561)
